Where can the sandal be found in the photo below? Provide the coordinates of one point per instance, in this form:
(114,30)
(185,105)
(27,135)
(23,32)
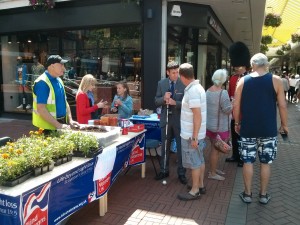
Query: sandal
(187,196)
(245,197)
(202,190)
(220,172)
(264,199)
(215,177)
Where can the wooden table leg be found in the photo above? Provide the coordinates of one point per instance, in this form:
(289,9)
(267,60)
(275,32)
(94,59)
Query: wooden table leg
(103,205)
(143,171)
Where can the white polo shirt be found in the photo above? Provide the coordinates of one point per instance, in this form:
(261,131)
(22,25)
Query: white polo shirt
(194,97)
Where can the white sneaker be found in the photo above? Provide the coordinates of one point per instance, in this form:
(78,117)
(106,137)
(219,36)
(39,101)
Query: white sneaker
(20,106)
(28,106)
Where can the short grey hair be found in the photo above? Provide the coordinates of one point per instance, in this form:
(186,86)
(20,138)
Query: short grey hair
(259,60)
(219,77)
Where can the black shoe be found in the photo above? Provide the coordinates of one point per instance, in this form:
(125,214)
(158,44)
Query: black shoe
(231,159)
(201,190)
(161,176)
(240,164)
(182,179)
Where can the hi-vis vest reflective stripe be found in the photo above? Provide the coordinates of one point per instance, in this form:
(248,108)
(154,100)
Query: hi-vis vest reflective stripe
(37,120)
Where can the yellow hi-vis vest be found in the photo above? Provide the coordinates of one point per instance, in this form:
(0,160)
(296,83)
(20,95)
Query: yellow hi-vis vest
(37,120)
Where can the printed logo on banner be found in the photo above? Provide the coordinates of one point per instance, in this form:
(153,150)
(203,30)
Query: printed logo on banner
(92,196)
(36,206)
(103,184)
(137,154)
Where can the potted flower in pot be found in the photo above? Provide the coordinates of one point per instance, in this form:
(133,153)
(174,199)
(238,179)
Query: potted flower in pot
(14,168)
(272,20)
(86,145)
(295,37)
(62,149)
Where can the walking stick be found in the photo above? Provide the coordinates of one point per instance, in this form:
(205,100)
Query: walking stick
(164,182)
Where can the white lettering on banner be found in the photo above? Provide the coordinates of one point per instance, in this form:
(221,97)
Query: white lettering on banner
(80,171)
(176,11)
(105,163)
(215,25)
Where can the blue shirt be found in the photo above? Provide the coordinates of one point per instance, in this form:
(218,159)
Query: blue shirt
(258,107)
(124,110)
(43,92)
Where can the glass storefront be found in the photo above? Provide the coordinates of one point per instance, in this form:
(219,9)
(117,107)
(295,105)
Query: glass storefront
(111,54)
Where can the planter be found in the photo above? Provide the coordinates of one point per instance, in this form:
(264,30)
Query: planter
(62,160)
(18,180)
(91,154)
(41,170)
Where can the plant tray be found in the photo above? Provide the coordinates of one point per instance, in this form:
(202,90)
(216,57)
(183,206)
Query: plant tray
(91,154)
(62,160)
(137,128)
(42,170)
(18,180)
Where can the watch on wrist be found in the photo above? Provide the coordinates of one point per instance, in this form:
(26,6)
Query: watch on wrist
(194,139)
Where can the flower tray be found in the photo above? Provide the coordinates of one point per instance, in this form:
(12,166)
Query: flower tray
(91,154)
(18,180)
(63,160)
(42,170)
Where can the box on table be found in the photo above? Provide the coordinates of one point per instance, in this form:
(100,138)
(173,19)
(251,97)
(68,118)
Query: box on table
(137,128)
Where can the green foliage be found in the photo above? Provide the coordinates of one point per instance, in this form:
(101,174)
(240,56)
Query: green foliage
(267,39)
(272,20)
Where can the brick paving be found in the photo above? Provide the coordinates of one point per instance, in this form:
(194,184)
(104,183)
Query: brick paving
(133,200)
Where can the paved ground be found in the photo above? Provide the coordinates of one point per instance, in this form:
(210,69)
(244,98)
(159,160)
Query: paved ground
(133,200)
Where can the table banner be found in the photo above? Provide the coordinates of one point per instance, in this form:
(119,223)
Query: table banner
(55,200)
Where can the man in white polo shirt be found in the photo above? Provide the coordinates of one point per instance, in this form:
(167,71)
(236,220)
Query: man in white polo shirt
(193,130)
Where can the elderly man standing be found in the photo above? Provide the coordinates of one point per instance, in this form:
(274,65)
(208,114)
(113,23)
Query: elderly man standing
(169,95)
(255,121)
(51,110)
(193,130)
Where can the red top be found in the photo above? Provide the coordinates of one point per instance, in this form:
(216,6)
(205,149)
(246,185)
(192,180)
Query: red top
(83,108)
(232,85)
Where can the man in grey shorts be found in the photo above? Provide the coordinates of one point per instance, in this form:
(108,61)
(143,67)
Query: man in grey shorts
(193,129)
(255,120)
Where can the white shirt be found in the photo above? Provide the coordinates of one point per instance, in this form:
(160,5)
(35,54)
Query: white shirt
(194,97)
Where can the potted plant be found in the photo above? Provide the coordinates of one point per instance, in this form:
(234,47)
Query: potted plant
(62,149)
(264,48)
(272,20)
(295,37)
(266,39)
(86,145)
(14,168)
(286,47)
(279,52)
(45,4)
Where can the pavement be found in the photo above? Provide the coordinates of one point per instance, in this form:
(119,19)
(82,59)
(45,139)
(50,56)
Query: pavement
(136,201)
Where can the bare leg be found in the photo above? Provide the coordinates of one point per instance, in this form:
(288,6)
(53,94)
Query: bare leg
(214,157)
(202,171)
(248,174)
(265,172)
(196,173)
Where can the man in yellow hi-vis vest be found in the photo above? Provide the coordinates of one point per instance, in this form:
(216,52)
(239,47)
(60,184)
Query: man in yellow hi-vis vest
(51,110)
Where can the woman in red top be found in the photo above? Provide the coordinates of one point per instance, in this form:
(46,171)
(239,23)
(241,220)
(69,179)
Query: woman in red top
(85,102)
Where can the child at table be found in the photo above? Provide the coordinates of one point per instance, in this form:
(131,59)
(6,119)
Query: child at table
(86,108)
(122,102)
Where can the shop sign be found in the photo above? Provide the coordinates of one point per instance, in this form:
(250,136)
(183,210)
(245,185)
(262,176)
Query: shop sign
(213,23)
(176,11)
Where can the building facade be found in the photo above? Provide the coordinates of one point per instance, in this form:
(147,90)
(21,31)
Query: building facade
(113,40)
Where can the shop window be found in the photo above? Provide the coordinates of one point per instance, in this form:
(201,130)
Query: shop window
(111,54)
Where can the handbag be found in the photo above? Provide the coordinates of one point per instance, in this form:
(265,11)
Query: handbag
(221,145)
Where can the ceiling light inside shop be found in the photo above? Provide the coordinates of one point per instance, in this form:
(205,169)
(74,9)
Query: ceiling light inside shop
(29,40)
(9,39)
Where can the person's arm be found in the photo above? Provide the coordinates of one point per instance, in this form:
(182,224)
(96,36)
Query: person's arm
(197,120)
(69,115)
(278,86)
(237,105)
(159,97)
(226,105)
